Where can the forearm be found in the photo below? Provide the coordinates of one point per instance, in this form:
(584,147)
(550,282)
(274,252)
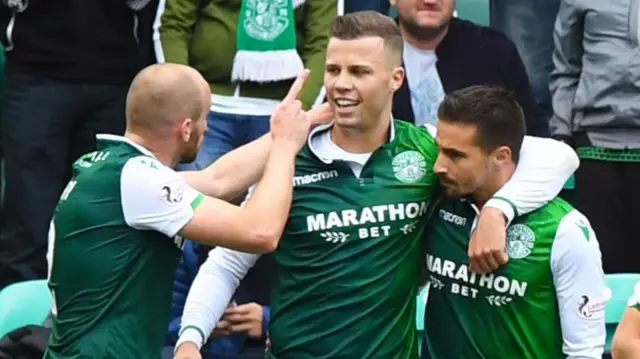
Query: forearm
(271,200)
(211,293)
(233,173)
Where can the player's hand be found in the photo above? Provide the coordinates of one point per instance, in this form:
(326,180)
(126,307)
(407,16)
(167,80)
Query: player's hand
(320,115)
(246,318)
(289,123)
(187,350)
(488,242)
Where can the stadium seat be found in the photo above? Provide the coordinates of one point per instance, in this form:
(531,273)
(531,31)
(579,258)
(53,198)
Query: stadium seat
(24,303)
(421,302)
(620,288)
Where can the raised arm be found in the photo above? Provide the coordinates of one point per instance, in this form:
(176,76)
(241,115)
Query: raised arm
(578,278)
(210,294)
(159,199)
(234,172)
(567,63)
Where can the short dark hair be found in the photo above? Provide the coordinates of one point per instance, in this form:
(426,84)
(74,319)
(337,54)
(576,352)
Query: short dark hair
(498,117)
(360,24)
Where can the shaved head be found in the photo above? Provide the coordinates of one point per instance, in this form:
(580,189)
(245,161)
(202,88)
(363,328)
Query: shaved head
(162,94)
(168,104)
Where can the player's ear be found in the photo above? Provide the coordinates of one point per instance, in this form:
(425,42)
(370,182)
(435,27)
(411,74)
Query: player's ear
(397,77)
(186,130)
(502,156)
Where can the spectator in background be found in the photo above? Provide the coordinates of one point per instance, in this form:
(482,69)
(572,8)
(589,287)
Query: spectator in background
(69,66)
(529,24)
(595,88)
(381,6)
(238,336)
(443,54)
(248,75)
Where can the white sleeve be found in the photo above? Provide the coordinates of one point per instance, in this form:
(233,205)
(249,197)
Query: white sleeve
(155,197)
(211,292)
(578,277)
(545,166)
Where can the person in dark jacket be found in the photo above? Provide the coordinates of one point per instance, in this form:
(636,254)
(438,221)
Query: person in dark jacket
(443,54)
(252,294)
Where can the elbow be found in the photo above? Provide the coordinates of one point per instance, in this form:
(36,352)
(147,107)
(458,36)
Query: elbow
(268,242)
(572,161)
(263,240)
(621,350)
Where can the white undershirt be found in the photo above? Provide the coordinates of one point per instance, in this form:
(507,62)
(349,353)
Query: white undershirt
(322,143)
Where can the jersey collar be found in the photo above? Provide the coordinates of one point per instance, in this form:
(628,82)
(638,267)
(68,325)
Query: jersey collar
(323,128)
(116,138)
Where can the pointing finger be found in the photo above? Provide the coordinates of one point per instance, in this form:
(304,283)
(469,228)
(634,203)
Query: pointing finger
(295,89)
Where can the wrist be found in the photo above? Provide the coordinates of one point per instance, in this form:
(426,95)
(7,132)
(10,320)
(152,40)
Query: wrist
(190,336)
(284,149)
(499,206)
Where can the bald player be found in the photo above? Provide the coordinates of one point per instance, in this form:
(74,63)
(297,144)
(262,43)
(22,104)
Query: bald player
(116,235)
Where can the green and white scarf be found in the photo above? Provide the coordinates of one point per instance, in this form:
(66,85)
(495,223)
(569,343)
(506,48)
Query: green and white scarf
(266,41)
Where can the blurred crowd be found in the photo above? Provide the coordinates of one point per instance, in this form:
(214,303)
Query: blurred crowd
(574,70)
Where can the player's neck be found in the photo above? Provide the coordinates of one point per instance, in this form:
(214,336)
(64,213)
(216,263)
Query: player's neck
(493,184)
(158,149)
(368,141)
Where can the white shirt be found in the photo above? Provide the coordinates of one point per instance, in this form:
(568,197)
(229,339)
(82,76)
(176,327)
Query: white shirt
(424,83)
(545,165)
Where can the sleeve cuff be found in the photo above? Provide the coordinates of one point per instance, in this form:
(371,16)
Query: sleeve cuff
(190,334)
(503,205)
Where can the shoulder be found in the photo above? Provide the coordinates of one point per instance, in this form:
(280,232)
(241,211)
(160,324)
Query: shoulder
(147,169)
(144,178)
(575,241)
(404,129)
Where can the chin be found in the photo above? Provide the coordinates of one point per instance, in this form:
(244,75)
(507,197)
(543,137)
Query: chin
(348,122)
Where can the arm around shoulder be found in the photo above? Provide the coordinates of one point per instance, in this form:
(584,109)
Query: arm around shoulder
(545,166)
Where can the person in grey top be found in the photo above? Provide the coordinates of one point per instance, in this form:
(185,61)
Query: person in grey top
(595,87)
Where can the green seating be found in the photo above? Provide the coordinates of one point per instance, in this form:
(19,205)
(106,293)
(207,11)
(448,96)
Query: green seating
(24,303)
(620,289)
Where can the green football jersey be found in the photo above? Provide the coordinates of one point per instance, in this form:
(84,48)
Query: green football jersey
(550,291)
(113,253)
(348,264)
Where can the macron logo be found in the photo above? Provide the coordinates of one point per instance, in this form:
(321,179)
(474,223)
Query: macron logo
(313,178)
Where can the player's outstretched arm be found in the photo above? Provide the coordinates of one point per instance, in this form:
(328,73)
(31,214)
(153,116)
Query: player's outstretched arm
(233,173)
(209,295)
(157,198)
(257,226)
(578,278)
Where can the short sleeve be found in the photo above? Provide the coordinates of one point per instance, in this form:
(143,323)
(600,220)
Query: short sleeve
(155,197)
